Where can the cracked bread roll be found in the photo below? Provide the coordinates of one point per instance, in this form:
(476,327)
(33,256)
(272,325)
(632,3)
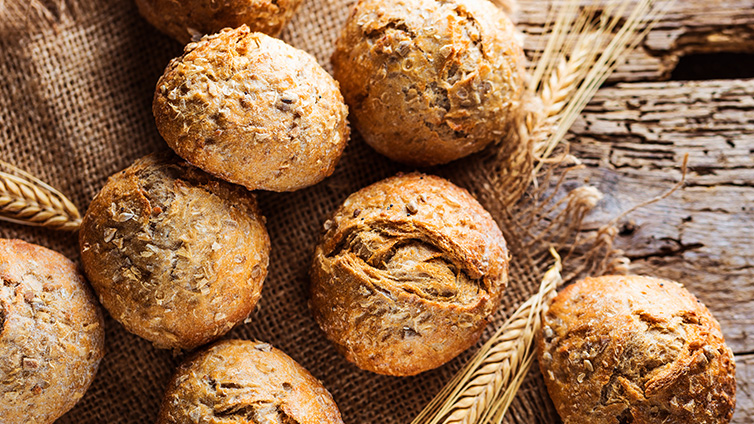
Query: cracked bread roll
(52,336)
(187,20)
(629,349)
(408,274)
(252,110)
(241,381)
(428,82)
(175,255)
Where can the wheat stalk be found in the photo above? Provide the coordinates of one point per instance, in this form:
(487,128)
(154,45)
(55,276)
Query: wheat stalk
(25,199)
(559,89)
(489,381)
(578,33)
(565,62)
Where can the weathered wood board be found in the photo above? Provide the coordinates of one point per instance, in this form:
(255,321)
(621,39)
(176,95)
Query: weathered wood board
(633,138)
(690,26)
(745,378)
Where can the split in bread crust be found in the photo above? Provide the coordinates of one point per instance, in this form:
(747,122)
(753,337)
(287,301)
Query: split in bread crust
(246,382)
(186,20)
(408,274)
(252,110)
(630,349)
(52,336)
(429,81)
(175,255)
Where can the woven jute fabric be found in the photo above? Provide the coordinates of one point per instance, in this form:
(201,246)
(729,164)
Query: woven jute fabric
(76,86)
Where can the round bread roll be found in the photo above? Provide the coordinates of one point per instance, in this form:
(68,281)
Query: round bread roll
(618,350)
(190,19)
(252,110)
(429,82)
(175,255)
(407,274)
(52,336)
(241,381)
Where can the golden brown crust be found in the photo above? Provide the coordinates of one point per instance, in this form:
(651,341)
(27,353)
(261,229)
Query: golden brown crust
(189,19)
(427,81)
(246,382)
(407,274)
(177,256)
(52,336)
(619,350)
(252,110)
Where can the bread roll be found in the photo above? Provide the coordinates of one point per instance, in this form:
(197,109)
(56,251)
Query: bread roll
(189,19)
(407,274)
(51,334)
(429,82)
(252,110)
(177,256)
(618,350)
(240,381)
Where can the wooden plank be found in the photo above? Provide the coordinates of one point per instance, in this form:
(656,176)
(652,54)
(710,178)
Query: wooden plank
(701,235)
(633,137)
(690,26)
(745,390)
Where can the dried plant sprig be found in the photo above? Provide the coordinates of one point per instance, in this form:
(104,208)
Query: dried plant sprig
(559,89)
(604,57)
(484,389)
(601,241)
(585,45)
(24,199)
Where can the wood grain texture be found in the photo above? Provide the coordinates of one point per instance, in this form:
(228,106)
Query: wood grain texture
(690,26)
(745,394)
(633,137)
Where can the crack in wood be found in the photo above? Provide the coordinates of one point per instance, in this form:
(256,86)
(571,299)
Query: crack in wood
(666,252)
(689,27)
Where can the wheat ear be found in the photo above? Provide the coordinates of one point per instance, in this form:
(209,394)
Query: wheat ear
(25,199)
(606,38)
(488,383)
(559,88)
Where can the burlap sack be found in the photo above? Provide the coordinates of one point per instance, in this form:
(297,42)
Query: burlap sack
(76,85)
